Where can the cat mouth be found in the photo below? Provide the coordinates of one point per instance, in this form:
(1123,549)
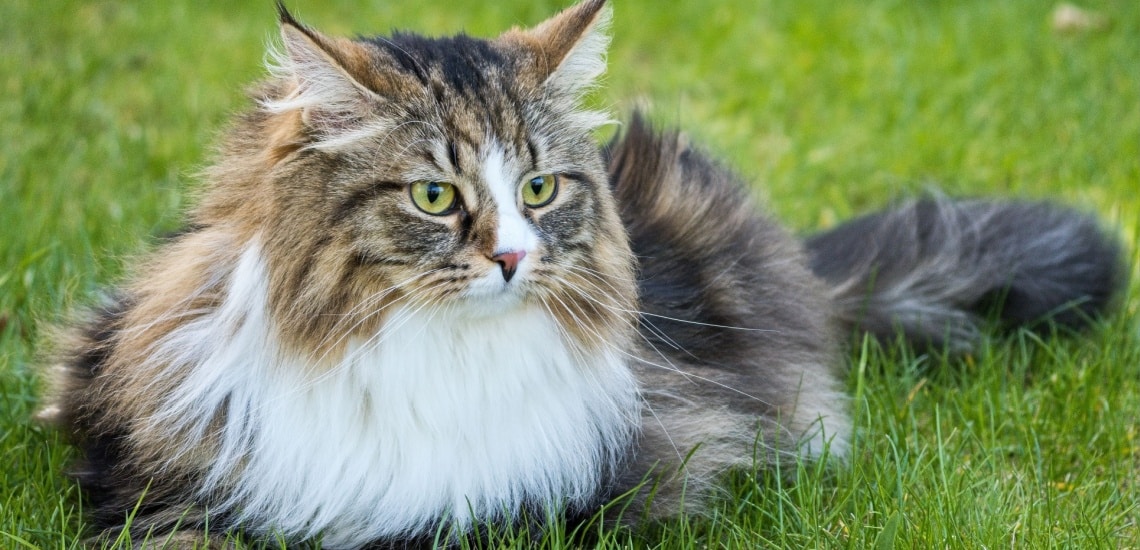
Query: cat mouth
(500,287)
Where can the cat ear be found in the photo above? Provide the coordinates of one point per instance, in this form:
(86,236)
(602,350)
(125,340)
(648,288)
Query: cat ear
(325,74)
(571,46)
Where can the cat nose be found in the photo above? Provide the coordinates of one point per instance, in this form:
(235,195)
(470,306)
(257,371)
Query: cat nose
(508,261)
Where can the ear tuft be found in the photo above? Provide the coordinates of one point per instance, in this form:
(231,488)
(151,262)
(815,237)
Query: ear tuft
(571,46)
(283,15)
(586,61)
(333,101)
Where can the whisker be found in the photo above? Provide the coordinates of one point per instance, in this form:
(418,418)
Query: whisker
(671,368)
(604,277)
(409,145)
(641,320)
(648,342)
(396,322)
(678,320)
(368,345)
(664,430)
(383,140)
(366,303)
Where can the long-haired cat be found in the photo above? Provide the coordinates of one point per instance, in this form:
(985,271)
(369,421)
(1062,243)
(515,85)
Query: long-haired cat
(415,296)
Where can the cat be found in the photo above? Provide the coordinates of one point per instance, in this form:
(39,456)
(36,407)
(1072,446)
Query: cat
(416,297)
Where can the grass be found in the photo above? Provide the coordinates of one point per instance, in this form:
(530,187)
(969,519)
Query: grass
(108,109)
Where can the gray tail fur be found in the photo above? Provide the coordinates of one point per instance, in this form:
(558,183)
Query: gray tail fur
(933,269)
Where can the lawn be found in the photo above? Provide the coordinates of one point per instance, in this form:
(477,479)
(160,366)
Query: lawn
(108,109)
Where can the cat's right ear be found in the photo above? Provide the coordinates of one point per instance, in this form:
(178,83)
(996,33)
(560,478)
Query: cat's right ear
(326,79)
(570,47)
(568,54)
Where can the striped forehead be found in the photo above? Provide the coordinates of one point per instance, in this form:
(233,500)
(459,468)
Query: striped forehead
(461,62)
(466,85)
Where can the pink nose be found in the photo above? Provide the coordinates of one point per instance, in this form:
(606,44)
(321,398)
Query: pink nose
(509,261)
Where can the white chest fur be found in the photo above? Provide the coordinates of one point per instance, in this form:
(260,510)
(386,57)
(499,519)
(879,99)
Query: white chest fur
(442,415)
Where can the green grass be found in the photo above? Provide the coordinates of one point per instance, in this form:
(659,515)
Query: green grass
(107,109)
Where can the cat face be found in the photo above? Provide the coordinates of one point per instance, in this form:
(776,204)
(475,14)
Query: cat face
(451,173)
(474,189)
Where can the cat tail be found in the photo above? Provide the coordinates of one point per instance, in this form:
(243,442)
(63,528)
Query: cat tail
(934,269)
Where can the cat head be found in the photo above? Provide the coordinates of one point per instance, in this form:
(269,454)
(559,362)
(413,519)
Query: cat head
(453,172)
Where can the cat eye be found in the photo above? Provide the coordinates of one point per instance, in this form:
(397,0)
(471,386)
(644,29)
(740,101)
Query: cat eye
(434,197)
(540,191)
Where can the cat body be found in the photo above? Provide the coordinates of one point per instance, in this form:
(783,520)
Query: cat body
(415,297)
(390,439)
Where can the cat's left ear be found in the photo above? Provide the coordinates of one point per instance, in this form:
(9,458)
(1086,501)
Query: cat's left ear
(569,48)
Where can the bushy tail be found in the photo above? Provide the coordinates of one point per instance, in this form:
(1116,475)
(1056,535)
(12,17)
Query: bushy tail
(933,269)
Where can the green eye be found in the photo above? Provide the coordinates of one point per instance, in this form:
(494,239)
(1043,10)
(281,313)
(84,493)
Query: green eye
(540,191)
(434,197)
